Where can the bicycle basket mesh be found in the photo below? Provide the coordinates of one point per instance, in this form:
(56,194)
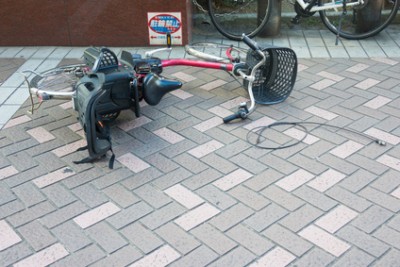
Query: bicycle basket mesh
(274,80)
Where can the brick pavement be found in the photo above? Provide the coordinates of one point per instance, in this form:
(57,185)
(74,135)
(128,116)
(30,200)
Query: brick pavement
(188,190)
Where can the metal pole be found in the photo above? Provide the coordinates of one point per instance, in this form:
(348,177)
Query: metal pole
(369,17)
(272,28)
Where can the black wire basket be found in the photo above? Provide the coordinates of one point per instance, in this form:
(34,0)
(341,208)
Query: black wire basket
(274,81)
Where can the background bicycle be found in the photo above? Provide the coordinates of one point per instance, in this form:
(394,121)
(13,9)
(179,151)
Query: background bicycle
(351,19)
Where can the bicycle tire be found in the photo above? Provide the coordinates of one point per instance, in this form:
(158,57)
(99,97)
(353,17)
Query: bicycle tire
(354,26)
(215,52)
(232,18)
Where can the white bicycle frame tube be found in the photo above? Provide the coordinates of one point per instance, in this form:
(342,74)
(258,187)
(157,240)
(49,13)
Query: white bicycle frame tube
(334,5)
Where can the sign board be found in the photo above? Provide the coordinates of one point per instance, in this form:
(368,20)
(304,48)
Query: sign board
(162,23)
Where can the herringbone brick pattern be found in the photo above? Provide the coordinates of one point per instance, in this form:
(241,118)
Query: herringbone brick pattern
(188,190)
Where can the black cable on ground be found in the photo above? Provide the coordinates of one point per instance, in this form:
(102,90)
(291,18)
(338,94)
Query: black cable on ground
(259,132)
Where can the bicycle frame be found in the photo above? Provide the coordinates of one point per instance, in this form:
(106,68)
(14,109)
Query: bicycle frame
(335,4)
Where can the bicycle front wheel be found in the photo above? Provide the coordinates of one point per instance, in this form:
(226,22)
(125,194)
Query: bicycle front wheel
(359,21)
(232,18)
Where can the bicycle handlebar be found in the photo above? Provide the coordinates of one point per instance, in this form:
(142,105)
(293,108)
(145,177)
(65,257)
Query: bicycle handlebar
(252,44)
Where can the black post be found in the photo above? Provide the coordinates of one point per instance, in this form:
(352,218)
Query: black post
(273,25)
(369,17)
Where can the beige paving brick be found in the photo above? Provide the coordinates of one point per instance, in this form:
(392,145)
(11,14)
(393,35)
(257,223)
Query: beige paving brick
(336,219)
(7,172)
(325,83)
(396,193)
(277,257)
(295,180)
(169,135)
(346,149)
(8,236)
(234,103)
(184,196)
(357,68)
(212,85)
(44,257)
(181,94)
(377,102)
(330,76)
(53,177)
(388,61)
(327,115)
(390,161)
(384,136)
(158,258)
(220,111)
(208,124)
(205,149)
(184,76)
(197,216)
(233,179)
(133,163)
(96,215)
(298,134)
(68,149)
(41,134)
(367,83)
(324,240)
(326,180)
(301,67)
(16,121)
(66,105)
(132,124)
(264,121)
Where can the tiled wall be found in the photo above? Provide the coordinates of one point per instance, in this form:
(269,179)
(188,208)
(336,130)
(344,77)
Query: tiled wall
(84,22)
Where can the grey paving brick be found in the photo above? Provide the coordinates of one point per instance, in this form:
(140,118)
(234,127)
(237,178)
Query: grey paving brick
(231,217)
(287,239)
(213,238)
(10,208)
(201,179)
(172,178)
(121,257)
(387,201)
(368,164)
(141,237)
(134,181)
(130,214)
(82,176)
(233,149)
(395,223)
(6,195)
(354,257)
(348,199)
(357,180)
(120,195)
(37,235)
(216,197)
(392,258)
(300,218)
(178,148)
(217,162)
(278,164)
(236,257)
(371,219)
(31,214)
(89,195)
(71,236)
(14,254)
(387,182)
(22,161)
(58,195)
(178,238)
(161,162)
(389,236)
(363,241)
(266,217)
(282,197)
(106,237)
(338,164)
(201,256)
(111,178)
(262,180)
(250,239)
(162,215)
(84,257)
(191,163)
(152,195)
(310,164)
(248,163)
(221,135)
(63,214)
(248,197)
(315,257)
(315,198)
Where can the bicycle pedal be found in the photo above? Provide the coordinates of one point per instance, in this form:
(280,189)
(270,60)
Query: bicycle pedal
(295,20)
